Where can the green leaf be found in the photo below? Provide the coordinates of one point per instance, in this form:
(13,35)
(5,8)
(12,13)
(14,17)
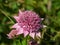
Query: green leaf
(0,1)
(29,7)
(18,42)
(1,29)
(45,1)
(42,6)
(24,42)
(3,43)
(14,42)
(52,30)
(56,36)
(58,14)
(14,5)
(30,2)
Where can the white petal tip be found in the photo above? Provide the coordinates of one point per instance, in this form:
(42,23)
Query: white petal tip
(44,26)
(42,18)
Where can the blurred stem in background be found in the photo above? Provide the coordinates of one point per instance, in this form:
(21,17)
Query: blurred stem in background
(7,15)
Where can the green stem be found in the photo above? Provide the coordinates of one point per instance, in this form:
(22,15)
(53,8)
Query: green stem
(6,14)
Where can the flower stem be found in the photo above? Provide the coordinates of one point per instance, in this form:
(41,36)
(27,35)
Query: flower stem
(6,14)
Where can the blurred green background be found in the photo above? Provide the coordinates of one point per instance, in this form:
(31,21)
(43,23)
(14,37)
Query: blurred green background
(47,9)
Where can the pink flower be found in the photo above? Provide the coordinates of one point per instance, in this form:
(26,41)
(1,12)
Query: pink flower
(28,22)
(12,34)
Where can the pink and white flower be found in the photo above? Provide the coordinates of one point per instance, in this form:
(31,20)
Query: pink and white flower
(27,23)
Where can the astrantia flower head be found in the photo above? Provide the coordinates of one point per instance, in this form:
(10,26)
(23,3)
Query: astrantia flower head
(28,22)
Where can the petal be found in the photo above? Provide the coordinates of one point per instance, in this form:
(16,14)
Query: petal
(26,33)
(17,18)
(20,12)
(15,26)
(32,35)
(20,31)
(44,26)
(42,18)
(38,34)
(12,34)
(9,37)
